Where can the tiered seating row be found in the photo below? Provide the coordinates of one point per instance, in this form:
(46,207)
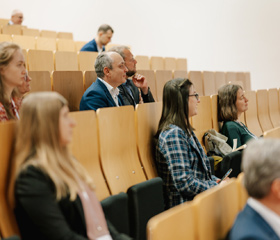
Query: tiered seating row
(23,30)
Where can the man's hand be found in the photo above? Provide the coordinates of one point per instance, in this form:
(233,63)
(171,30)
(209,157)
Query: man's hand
(140,82)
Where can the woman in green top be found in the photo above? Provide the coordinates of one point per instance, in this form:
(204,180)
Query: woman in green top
(231,104)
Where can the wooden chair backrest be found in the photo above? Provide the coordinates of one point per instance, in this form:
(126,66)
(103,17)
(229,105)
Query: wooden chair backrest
(209,83)
(151,78)
(85,148)
(79,45)
(8,223)
(70,85)
(247,85)
(66,61)
(273,106)
(162,76)
(89,78)
(48,34)
(25,42)
(181,64)
(44,43)
(118,150)
(231,77)
(216,211)
(180,74)
(272,133)
(157,63)
(175,223)
(65,35)
(41,81)
(86,60)
(243,194)
(263,111)
(143,62)
(40,60)
(251,115)
(196,78)
(31,32)
(5,38)
(12,29)
(169,63)
(220,80)
(147,117)
(66,45)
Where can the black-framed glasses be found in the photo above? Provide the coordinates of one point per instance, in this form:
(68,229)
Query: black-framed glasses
(196,95)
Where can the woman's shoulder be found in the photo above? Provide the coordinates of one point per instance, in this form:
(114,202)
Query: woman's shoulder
(31,172)
(172,131)
(3,113)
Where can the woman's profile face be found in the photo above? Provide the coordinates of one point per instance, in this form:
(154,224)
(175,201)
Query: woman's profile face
(241,102)
(66,124)
(193,102)
(14,73)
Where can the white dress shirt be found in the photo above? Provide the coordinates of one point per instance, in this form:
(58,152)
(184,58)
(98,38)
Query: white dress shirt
(113,91)
(268,215)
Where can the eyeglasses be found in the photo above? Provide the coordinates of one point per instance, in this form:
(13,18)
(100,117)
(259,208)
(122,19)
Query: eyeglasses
(195,95)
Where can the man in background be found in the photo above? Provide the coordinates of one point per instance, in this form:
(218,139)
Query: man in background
(133,91)
(104,36)
(104,92)
(260,218)
(16,18)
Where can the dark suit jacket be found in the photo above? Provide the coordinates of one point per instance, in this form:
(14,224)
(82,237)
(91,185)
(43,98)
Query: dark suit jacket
(91,47)
(98,96)
(250,225)
(40,216)
(134,99)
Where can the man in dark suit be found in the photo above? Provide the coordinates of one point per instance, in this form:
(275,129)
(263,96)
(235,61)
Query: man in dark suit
(111,72)
(104,35)
(133,91)
(260,219)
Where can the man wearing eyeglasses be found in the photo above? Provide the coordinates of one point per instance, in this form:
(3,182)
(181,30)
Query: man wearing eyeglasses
(133,91)
(16,18)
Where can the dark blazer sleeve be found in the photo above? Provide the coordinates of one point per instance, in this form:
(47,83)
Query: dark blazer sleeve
(36,204)
(147,97)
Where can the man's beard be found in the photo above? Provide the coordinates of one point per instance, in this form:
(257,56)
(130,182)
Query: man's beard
(130,73)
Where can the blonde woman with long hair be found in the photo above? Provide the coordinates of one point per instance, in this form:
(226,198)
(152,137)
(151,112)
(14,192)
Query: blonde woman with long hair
(14,80)
(54,194)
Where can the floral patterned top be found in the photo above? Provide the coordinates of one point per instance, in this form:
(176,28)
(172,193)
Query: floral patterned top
(15,107)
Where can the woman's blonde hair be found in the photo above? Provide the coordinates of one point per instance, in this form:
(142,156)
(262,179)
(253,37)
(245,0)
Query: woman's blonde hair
(7,51)
(227,96)
(38,144)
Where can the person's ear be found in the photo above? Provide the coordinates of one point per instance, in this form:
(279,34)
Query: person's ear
(275,188)
(106,71)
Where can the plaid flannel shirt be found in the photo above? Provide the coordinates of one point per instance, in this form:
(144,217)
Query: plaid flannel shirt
(183,166)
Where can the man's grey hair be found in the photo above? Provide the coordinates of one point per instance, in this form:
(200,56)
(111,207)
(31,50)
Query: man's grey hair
(16,11)
(261,166)
(120,50)
(103,60)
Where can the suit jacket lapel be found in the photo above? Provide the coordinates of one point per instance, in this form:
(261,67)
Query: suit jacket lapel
(107,93)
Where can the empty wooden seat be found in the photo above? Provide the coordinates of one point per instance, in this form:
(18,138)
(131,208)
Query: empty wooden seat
(41,81)
(118,151)
(7,218)
(25,42)
(202,122)
(181,64)
(180,74)
(147,119)
(65,35)
(5,38)
(39,60)
(220,80)
(274,107)
(84,147)
(251,115)
(4,21)
(247,83)
(169,63)
(66,45)
(263,112)
(86,60)
(12,29)
(214,112)
(162,76)
(208,79)
(243,194)
(48,34)
(196,78)
(70,85)
(79,45)
(272,133)
(217,209)
(175,223)
(231,77)
(89,78)
(157,63)
(30,32)
(66,61)
(151,78)
(142,62)
(44,43)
